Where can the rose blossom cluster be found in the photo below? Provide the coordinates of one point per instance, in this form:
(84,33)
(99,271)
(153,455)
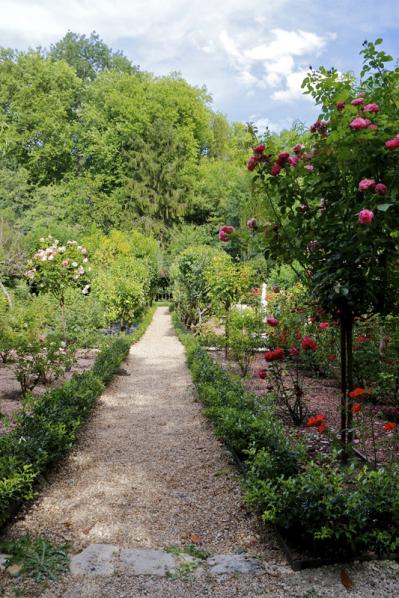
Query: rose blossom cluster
(55,253)
(317,421)
(283,159)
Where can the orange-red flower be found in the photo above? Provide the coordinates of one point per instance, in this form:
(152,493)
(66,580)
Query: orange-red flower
(359,393)
(356,407)
(315,421)
(322,428)
(389,426)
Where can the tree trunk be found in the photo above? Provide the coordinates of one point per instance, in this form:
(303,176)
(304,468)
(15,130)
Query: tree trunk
(346,322)
(63,325)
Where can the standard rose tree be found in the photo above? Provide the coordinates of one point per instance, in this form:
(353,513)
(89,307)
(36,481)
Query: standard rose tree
(56,267)
(335,201)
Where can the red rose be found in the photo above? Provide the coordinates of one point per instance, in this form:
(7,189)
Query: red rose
(272,321)
(275,355)
(308,344)
(262,373)
(259,149)
(276,169)
(356,407)
(380,189)
(294,351)
(324,325)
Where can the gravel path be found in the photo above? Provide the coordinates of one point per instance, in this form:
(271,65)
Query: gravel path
(147,472)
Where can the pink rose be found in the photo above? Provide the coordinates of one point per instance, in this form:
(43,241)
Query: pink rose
(380,189)
(371,108)
(359,123)
(272,321)
(293,161)
(366,184)
(357,101)
(372,127)
(259,149)
(365,216)
(340,105)
(276,169)
(65,263)
(392,144)
(309,167)
(251,163)
(324,325)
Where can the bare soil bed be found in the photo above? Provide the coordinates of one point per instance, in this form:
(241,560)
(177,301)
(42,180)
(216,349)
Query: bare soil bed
(322,397)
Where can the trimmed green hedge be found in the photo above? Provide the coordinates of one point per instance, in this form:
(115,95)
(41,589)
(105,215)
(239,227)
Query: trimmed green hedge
(47,431)
(320,505)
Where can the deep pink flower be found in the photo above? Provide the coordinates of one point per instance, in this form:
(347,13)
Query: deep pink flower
(259,149)
(373,107)
(315,127)
(372,127)
(262,373)
(282,158)
(366,184)
(276,169)
(340,105)
(293,161)
(357,101)
(272,321)
(308,344)
(324,325)
(309,167)
(365,216)
(225,232)
(298,148)
(294,351)
(65,263)
(251,163)
(380,189)
(392,144)
(359,123)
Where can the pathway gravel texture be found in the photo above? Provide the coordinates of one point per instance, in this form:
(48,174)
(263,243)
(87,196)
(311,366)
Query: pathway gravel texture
(147,472)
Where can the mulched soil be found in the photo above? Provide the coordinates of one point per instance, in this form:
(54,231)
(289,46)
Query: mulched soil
(10,390)
(322,397)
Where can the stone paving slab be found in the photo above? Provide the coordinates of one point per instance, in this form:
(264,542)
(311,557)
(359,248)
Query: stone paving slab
(146,562)
(107,559)
(223,564)
(96,559)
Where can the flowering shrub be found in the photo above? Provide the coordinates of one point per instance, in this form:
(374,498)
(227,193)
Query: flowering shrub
(42,361)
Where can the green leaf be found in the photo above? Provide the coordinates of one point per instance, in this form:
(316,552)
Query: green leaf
(383,207)
(378,41)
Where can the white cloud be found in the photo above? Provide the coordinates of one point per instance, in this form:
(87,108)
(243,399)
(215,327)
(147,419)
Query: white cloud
(238,48)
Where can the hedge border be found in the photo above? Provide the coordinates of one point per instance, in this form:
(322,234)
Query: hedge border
(46,433)
(238,420)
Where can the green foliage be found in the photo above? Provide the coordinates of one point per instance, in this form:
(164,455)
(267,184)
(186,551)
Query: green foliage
(189,279)
(88,55)
(245,329)
(39,559)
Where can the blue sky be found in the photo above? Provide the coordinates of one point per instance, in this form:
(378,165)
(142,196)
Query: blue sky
(250,54)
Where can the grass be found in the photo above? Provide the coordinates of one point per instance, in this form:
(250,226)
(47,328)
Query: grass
(38,559)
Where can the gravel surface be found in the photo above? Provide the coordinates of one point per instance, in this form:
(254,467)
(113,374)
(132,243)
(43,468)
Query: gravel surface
(147,472)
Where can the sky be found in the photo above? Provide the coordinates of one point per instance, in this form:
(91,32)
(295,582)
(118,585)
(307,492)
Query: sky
(251,55)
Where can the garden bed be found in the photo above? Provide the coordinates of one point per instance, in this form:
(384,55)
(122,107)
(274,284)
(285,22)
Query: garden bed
(10,390)
(322,395)
(337,511)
